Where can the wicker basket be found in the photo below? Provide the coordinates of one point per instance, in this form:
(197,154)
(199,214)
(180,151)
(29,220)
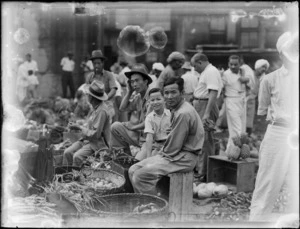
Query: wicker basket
(120,207)
(115,177)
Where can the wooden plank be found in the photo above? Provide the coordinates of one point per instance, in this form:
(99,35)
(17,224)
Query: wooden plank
(224,158)
(187,197)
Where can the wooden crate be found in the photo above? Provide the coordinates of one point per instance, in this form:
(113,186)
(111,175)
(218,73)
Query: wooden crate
(240,173)
(181,195)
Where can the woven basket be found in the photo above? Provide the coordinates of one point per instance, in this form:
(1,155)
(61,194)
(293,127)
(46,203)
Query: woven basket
(121,206)
(115,177)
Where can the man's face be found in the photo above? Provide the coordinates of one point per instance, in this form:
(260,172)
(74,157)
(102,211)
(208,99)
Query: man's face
(234,65)
(70,56)
(261,70)
(98,65)
(198,66)
(28,58)
(176,64)
(157,73)
(172,95)
(138,83)
(286,62)
(156,100)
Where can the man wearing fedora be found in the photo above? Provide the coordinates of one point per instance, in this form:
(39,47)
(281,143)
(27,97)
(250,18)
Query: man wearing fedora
(96,136)
(68,66)
(106,77)
(124,134)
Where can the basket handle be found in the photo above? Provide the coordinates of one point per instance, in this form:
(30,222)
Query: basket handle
(172,213)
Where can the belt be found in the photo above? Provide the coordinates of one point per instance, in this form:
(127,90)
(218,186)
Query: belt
(200,99)
(281,124)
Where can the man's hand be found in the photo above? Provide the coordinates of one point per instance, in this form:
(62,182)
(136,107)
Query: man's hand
(130,88)
(129,125)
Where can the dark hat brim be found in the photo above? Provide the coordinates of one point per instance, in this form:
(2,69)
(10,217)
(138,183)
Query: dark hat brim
(98,57)
(129,74)
(104,97)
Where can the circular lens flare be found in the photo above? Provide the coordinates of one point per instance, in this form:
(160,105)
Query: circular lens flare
(133,41)
(158,37)
(21,36)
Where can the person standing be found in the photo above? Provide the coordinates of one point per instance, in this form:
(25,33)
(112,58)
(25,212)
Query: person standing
(191,78)
(278,100)
(173,69)
(96,136)
(207,91)
(157,68)
(182,146)
(234,81)
(124,134)
(68,66)
(32,70)
(87,67)
(261,66)
(106,77)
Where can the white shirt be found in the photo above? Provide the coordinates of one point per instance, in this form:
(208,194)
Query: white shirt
(32,65)
(67,64)
(190,82)
(233,87)
(275,95)
(210,79)
(90,66)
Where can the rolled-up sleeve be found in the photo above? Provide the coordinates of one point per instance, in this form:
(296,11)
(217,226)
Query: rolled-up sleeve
(148,125)
(112,82)
(177,136)
(264,97)
(212,81)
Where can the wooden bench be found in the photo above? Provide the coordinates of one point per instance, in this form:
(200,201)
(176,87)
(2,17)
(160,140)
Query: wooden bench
(240,173)
(181,195)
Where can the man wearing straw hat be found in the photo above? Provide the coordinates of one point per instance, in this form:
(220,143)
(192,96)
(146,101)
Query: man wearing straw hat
(124,134)
(96,136)
(106,77)
(278,99)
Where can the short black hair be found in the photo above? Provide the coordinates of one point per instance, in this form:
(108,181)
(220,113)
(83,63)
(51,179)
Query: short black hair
(235,57)
(174,80)
(154,90)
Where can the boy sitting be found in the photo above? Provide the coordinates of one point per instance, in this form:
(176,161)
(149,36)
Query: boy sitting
(156,124)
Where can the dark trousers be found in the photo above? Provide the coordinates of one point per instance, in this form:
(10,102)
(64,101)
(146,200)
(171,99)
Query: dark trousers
(67,80)
(209,143)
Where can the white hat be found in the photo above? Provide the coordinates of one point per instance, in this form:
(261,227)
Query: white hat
(261,62)
(283,40)
(158,66)
(175,56)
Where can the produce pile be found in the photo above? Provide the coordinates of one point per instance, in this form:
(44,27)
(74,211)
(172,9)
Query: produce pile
(97,163)
(78,194)
(243,147)
(98,183)
(146,208)
(233,207)
(209,190)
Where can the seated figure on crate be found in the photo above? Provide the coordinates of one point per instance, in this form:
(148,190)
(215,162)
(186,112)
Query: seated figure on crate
(96,136)
(126,134)
(183,144)
(157,123)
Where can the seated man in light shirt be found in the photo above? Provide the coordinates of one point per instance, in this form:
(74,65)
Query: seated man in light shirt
(157,124)
(235,81)
(207,91)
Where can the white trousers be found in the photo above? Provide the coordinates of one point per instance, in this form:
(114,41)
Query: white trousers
(278,165)
(236,116)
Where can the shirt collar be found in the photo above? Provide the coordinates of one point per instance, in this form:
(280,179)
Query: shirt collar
(166,112)
(284,71)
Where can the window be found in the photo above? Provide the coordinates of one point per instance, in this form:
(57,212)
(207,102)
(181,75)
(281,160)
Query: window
(217,30)
(249,32)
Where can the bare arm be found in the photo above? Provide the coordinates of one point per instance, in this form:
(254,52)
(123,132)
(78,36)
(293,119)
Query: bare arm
(211,102)
(149,142)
